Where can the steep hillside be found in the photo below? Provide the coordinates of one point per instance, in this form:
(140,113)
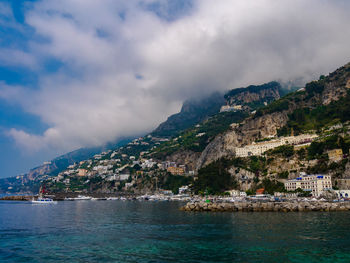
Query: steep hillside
(199,110)
(169,146)
(191,142)
(255,139)
(30,182)
(254,97)
(319,104)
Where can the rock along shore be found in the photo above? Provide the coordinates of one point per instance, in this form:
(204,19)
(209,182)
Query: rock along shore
(267,206)
(17,198)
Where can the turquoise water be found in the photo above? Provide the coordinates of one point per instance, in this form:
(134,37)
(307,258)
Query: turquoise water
(116,231)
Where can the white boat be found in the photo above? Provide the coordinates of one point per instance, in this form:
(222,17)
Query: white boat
(112,198)
(82,197)
(41,200)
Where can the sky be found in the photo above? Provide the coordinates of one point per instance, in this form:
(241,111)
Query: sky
(81,73)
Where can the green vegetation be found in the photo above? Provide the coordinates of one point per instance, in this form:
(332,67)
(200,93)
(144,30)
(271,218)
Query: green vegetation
(198,137)
(322,166)
(254,89)
(276,106)
(173,182)
(192,112)
(315,87)
(271,186)
(255,164)
(318,148)
(215,178)
(284,151)
(77,183)
(283,175)
(306,119)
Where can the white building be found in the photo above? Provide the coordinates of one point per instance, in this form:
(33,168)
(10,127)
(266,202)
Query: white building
(128,185)
(184,189)
(147,163)
(102,168)
(236,193)
(227,108)
(316,184)
(343,194)
(113,177)
(66,181)
(261,147)
(124,177)
(97,156)
(257,148)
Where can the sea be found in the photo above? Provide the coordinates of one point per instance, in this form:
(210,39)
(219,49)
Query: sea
(135,231)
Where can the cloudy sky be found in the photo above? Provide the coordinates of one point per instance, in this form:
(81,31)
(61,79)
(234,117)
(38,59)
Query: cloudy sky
(76,73)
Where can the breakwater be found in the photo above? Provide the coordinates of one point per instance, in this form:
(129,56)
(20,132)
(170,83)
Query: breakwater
(267,206)
(17,198)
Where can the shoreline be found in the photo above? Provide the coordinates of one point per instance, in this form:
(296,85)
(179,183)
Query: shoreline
(98,197)
(201,204)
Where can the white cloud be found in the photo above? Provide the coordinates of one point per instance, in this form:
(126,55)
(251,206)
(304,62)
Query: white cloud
(96,95)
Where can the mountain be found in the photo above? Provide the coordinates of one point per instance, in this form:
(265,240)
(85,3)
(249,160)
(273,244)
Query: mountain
(320,103)
(255,138)
(180,140)
(207,116)
(30,182)
(195,111)
(249,138)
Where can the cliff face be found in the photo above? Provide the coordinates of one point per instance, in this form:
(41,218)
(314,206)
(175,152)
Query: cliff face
(186,157)
(333,92)
(322,92)
(248,97)
(254,95)
(336,85)
(41,170)
(348,84)
(251,130)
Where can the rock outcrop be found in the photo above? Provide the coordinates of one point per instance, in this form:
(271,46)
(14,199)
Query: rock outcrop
(251,130)
(254,94)
(244,178)
(187,157)
(332,92)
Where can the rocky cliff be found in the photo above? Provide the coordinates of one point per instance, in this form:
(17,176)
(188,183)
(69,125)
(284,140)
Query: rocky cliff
(187,157)
(253,96)
(251,130)
(275,116)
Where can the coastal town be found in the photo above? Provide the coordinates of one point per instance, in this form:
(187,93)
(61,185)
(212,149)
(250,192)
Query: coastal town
(127,167)
(247,150)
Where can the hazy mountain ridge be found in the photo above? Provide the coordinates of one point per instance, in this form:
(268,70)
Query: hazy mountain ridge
(30,182)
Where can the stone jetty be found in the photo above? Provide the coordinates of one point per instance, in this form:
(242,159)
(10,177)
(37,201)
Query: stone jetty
(17,198)
(290,206)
